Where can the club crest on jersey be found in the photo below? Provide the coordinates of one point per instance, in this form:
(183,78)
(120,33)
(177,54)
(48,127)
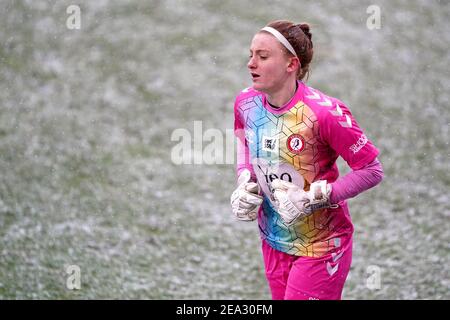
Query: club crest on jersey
(295,143)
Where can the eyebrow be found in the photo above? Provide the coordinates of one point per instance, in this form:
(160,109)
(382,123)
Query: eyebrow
(260,50)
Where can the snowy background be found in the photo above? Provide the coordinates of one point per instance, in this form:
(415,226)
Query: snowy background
(86,116)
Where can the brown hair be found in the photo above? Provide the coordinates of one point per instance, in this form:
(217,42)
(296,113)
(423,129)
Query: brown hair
(299,37)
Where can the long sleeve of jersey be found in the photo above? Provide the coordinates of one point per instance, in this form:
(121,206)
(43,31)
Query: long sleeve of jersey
(242,150)
(357,181)
(243,155)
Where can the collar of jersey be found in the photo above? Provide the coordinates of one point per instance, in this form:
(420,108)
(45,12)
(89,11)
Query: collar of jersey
(298,96)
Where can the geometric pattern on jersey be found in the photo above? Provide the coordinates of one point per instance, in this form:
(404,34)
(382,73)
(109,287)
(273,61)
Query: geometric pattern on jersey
(298,120)
(311,236)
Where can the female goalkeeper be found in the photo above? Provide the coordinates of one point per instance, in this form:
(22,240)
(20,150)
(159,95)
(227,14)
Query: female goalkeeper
(289,137)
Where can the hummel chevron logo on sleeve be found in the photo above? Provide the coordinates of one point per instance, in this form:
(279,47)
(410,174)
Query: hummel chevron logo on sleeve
(336,256)
(315,96)
(325,103)
(332,270)
(338,112)
(347,123)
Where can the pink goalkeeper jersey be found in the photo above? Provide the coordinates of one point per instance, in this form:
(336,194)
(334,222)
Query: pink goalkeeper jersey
(300,143)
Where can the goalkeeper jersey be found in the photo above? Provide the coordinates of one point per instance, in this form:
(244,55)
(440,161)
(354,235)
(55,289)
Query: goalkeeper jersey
(300,143)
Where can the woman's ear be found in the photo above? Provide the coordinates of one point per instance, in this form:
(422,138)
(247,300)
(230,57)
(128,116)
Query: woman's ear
(294,63)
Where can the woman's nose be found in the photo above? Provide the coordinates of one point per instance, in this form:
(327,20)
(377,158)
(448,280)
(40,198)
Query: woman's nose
(251,63)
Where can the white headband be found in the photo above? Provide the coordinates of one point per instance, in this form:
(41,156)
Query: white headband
(280,38)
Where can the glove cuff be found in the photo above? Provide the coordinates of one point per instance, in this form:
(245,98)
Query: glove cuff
(320,191)
(319,196)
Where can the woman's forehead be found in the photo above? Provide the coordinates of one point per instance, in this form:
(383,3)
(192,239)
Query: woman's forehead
(265,41)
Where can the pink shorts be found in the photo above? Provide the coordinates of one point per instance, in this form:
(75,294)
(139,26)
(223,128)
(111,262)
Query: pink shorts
(305,278)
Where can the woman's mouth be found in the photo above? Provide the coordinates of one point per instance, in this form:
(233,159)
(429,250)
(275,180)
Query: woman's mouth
(255,76)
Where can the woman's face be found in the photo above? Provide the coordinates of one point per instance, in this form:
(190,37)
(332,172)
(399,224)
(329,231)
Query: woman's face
(269,65)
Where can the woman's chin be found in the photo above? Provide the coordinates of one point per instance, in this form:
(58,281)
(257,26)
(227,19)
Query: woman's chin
(258,86)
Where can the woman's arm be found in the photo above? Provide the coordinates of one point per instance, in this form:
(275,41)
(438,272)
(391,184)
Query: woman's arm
(243,155)
(356,182)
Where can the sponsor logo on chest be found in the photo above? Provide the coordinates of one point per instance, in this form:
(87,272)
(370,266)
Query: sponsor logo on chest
(270,144)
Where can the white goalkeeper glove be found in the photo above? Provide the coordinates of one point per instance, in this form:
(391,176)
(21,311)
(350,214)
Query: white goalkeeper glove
(246,199)
(293,203)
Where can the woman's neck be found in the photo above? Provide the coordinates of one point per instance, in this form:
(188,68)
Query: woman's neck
(282,96)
